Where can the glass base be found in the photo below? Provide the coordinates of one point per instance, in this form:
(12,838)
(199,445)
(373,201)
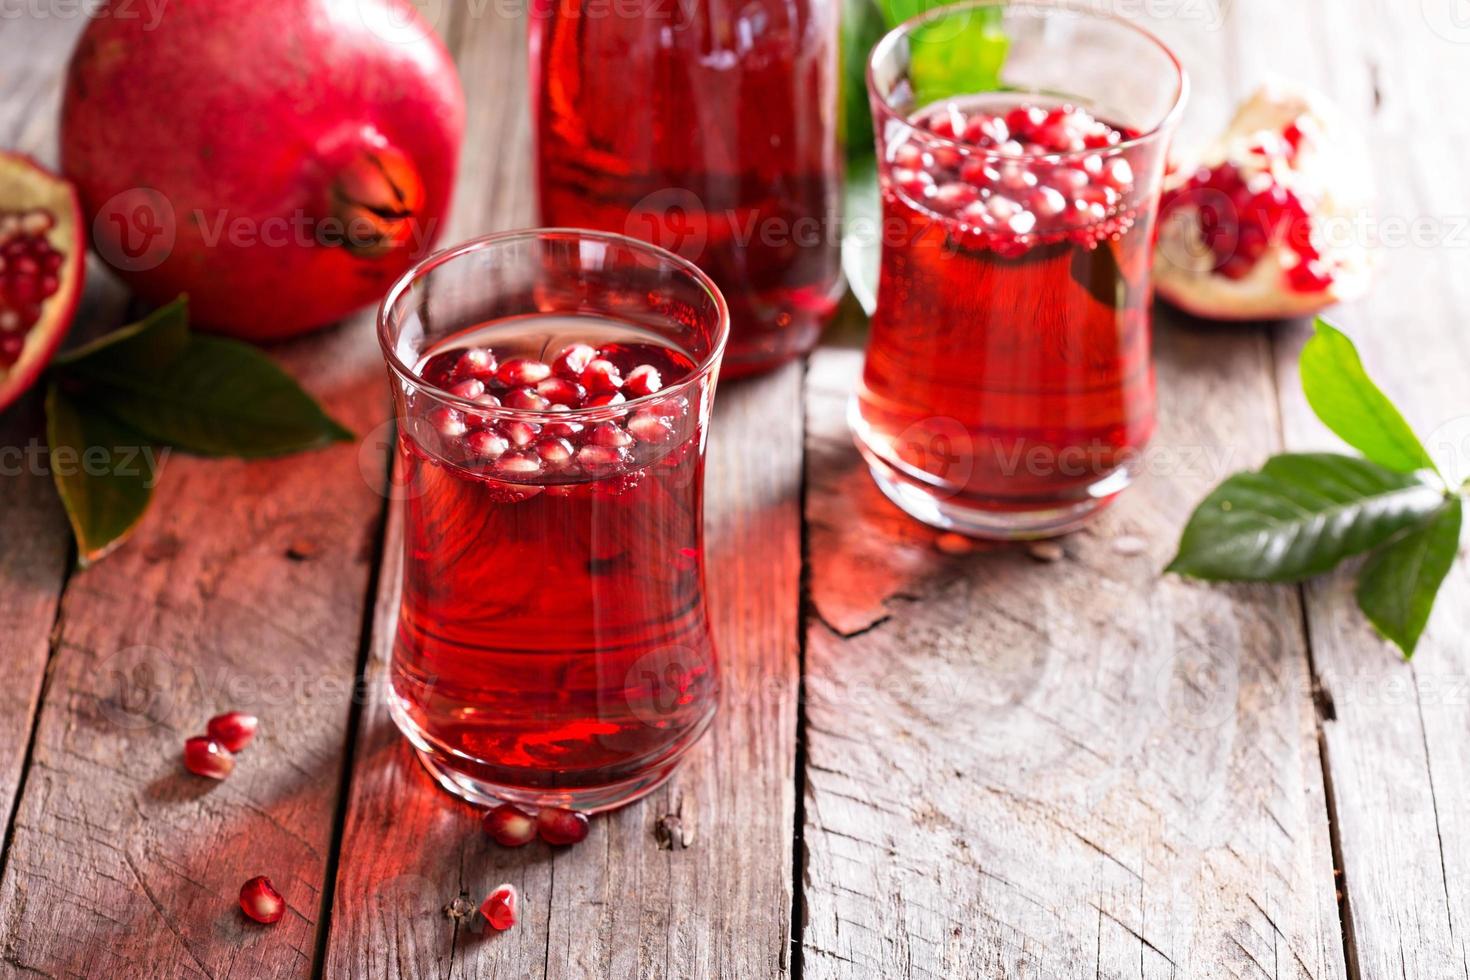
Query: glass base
(996,520)
(481,792)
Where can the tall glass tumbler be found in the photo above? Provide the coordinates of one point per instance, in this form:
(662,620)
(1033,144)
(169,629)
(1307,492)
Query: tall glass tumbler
(553,391)
(1008,388)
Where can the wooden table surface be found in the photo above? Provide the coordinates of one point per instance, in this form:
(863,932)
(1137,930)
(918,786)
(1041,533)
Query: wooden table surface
(925,765)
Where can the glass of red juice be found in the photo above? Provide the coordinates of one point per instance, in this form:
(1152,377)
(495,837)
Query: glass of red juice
(1008,386)
(552,390)
(709,128)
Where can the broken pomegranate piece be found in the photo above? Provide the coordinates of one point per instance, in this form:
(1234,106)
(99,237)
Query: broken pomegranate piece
(1269,223)
(42,263)
(501,907)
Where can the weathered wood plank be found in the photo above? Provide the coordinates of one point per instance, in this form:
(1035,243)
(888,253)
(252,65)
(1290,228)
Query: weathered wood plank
(1019,768)
(1396,745)
(35,543)
(414,862)
(1072,768)
(119,861)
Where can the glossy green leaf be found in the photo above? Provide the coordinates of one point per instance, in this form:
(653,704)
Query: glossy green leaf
(862,25)
(104,471)
(217,397)
(960,55)
(140,348)
(1397,587)
(1299,516)
(1351,405)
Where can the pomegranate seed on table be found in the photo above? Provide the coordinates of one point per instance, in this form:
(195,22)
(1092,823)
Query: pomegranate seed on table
(203,756)
(260,900)
(509,825)
(500,909)
(561,826)
(234,729)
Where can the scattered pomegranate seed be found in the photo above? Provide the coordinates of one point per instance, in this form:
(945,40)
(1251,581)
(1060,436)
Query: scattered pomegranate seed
(234,730)
(558,825)
(501,907)
(203,756)
(261,901)
(509,825)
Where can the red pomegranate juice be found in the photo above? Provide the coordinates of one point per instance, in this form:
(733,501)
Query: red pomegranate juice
(553,640)
(709,129)
(1008,374)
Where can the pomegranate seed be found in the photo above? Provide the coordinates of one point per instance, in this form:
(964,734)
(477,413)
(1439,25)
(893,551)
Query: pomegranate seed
(643,380)
(203,756)
(486,445)
(500,908)
(233,730)
(261,901)
(948,122)
(524,398)
(555,452)
(518,464)
(572,361)
(599,459)
(520,433)
(1025,119)
(610,435)
(509,825)
(1309,277)
(561,826)
(475,363)
(471,389)
(986,130)
(597,401)
(447,422)
(560,391)
(519,372)
(601,377)
(488,400)
(560,429)
(954,195)
(1048,202)
(647,427)
(1119,173)
(908,155)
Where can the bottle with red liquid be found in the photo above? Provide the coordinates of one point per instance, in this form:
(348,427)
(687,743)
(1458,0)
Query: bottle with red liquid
(553,644)
(709,128)
(1008,387)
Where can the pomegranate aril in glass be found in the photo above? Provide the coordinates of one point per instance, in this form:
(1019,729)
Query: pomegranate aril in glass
(708,129)
(1008,386)
(553,646)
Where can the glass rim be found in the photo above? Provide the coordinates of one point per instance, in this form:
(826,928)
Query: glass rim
(906,29)
(704,366)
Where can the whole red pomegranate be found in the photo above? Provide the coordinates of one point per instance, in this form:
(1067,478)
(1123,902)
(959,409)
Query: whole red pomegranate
(281,162)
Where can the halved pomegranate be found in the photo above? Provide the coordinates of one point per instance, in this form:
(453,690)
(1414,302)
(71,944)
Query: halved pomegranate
(1270,222)
(42,265)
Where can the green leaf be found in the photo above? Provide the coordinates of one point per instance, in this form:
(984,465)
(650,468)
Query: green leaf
(141,348)
(1351,405)
(956,55)
(1397,587)
(217,397)
(104,471)
(861,26)
(1299,516)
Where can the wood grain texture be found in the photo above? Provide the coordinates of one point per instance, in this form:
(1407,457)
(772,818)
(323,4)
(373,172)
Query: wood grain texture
(1019,768)
(415,864)
(119,862)
(1398,743)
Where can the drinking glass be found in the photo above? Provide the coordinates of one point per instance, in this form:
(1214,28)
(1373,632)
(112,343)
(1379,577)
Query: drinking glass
(553,645)
(1008,386)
